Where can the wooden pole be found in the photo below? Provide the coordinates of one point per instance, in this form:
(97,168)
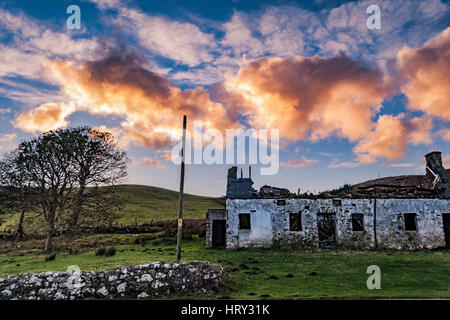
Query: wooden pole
(180,197)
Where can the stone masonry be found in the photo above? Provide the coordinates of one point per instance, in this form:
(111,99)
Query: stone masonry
(383,222)
(155,279)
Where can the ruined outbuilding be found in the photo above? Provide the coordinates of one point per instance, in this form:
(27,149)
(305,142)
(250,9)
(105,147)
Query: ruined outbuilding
(409,212)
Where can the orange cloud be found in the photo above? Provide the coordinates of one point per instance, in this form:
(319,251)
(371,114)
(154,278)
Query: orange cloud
(426,72)
(118,84)
(303,163)
(44,118)
(305,98)
(316,98)
(154,163)
(308,97)
(444,134)
(390,138)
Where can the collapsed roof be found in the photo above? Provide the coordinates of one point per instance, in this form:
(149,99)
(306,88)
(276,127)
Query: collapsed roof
(434,184)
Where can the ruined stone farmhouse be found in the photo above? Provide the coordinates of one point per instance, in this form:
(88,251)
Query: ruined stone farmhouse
(406,212)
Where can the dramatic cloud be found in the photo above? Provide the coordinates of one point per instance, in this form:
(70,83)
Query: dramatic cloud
(427,75)
(317,87)
(151,108)
(391,136)
(316,98)
(44,118)
(308,97)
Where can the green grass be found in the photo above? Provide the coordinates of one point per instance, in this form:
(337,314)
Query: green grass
(145,203)
(422,274)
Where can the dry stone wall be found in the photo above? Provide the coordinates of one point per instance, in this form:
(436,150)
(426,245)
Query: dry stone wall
(155,279)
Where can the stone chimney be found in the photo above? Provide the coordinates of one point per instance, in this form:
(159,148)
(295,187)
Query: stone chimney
(434,162)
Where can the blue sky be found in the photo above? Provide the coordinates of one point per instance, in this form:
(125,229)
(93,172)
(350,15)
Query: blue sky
(220,62)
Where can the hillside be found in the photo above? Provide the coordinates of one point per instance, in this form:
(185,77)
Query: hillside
(144,204)
(411,180)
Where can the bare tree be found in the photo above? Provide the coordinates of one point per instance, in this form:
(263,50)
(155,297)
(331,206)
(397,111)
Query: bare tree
(99,166)
(48,167)
(72,173)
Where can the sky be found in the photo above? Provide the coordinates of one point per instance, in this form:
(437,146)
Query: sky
(350,103)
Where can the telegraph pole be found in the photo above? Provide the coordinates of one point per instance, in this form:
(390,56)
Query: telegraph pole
(180,198)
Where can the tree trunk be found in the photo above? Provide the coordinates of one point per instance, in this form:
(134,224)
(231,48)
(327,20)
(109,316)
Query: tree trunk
(49,241)
(19,233)
(77,209)
(50,230)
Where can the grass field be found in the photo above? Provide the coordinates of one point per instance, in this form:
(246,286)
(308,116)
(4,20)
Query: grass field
(254,274)
(145,203)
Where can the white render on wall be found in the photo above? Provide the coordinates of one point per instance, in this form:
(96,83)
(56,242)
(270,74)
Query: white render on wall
(270,223)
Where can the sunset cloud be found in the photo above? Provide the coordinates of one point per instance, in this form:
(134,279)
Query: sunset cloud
(305,98)
(426,72)
(44,118)
(154,163)
(302,163)
(444,134)
(150,107)
(390,138)
(312,98)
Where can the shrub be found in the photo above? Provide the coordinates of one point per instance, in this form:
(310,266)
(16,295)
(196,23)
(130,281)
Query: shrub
(73,250)
(100,251)
(202,233)
(187,235)
(110,251)
(50,257)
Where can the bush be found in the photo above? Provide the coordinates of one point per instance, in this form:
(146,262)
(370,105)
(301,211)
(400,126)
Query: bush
(100,251)
(169,232)
(110,251)
(187,235)
(50,257)
(202,234)
(73,250)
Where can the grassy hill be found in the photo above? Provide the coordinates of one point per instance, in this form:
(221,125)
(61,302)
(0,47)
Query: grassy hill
(144,204)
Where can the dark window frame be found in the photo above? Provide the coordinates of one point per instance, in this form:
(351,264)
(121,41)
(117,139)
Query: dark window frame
(356,218)
(295,227)
(410,225)
(245,224)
